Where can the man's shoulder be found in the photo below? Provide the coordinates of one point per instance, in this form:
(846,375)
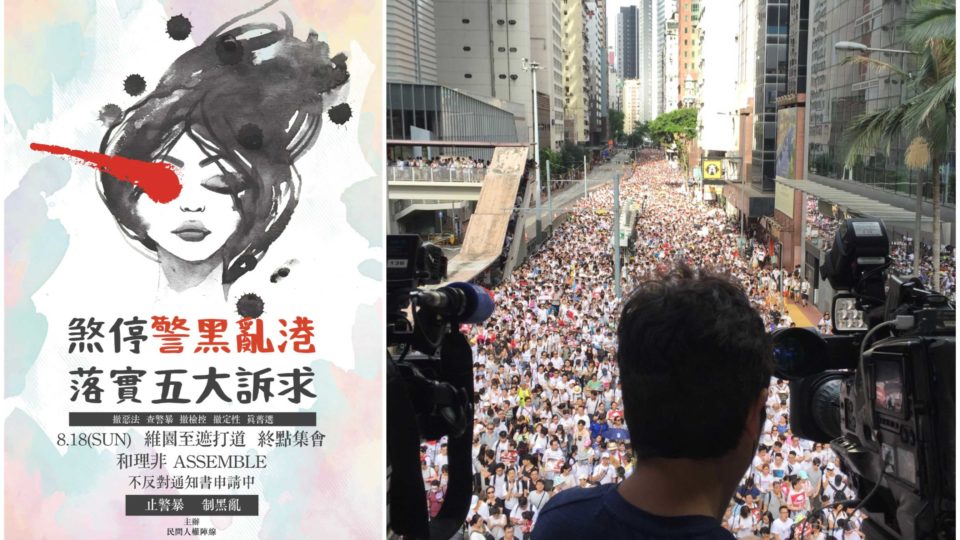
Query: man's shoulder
(576,497)
(570,514)
(599,512)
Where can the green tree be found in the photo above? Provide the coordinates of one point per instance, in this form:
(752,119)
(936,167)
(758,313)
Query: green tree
(639,132)
(927,118)
(556,163)
(676,128)
(571,156)
(616,124)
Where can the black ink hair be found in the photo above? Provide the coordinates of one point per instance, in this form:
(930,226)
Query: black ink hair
(251,97)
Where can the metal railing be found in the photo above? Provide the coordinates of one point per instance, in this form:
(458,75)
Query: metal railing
(434,174)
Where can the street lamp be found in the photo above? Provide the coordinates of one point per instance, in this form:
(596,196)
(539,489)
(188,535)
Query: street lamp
(854,46)
(860,47)
(532,67)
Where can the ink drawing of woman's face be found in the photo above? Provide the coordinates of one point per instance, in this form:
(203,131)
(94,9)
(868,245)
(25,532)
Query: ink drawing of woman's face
(196,225)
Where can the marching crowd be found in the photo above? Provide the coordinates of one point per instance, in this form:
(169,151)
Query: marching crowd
(548,401)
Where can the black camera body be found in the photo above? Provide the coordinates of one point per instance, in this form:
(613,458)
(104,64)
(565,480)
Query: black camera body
(429,384)
(881,391)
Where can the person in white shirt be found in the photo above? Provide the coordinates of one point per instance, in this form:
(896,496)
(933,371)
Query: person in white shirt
(764,479)
(604,472)
(742,523)
(552,459)
(581,415)
(566,479)
(477,527)
(521,527)
(497,522)
(513,490)
(782,526)
(478,508)
(539,497)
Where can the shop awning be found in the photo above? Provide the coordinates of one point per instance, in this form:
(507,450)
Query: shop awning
(856,204)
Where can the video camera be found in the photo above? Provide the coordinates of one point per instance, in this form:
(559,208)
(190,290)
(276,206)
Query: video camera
(881,390)
(429,390)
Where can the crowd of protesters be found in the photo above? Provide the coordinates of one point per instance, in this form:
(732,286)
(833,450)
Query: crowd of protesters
(548,401)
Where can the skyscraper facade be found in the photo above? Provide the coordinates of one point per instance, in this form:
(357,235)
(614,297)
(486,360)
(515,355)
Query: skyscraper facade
(628,23)
(773,30)
(666,35)
(647,59)
(546,48)
(411,42)
(576,122)
(688,12)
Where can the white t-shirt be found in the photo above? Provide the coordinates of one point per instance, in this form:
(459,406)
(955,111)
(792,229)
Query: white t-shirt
(742,527)
(608,477)
(538,499)
(781,528)
(552,458)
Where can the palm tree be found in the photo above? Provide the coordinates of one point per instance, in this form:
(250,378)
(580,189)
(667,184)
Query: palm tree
(927,117)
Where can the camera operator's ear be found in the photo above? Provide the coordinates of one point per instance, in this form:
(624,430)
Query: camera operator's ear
(757,414)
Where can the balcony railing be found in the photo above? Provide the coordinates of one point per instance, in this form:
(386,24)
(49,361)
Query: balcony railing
(431,174)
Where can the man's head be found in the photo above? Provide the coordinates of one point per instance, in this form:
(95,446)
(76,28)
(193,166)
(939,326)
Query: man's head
(691,334)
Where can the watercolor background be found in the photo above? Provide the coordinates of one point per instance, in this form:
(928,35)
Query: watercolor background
(64,60)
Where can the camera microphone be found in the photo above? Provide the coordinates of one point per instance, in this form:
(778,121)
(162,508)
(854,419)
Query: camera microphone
(461,302)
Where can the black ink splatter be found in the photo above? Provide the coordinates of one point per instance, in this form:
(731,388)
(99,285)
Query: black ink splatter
(178,27)
(340,114)
(134,85)
(250,137)
(281,273)
(250,305)
(229,50)
(110,115)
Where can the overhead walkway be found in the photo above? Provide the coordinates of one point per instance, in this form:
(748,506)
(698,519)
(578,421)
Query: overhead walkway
(487,228)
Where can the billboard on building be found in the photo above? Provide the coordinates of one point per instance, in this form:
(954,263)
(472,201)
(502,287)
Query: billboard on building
(787,143)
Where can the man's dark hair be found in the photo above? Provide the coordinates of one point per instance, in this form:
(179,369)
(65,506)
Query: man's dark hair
(690,348)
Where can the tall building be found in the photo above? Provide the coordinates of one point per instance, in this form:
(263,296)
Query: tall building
(628,42)
(797,47)
(576,122)
(546,48)
(614,81)
(746,79)
(666,32)
(647,59)
(482,47)
(596,49)
(839,92)
(632,103)
(670,66)
(411,42)
(773,32)
(718,114)
(688,11)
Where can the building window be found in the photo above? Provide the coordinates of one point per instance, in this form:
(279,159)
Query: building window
(500,22)
(465,21)
(501,49)
(513,22)
(513,77)
(502,76)
(467,76)
(467,48)
(513,49)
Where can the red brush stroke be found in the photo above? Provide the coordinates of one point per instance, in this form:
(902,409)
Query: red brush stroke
(158,180)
